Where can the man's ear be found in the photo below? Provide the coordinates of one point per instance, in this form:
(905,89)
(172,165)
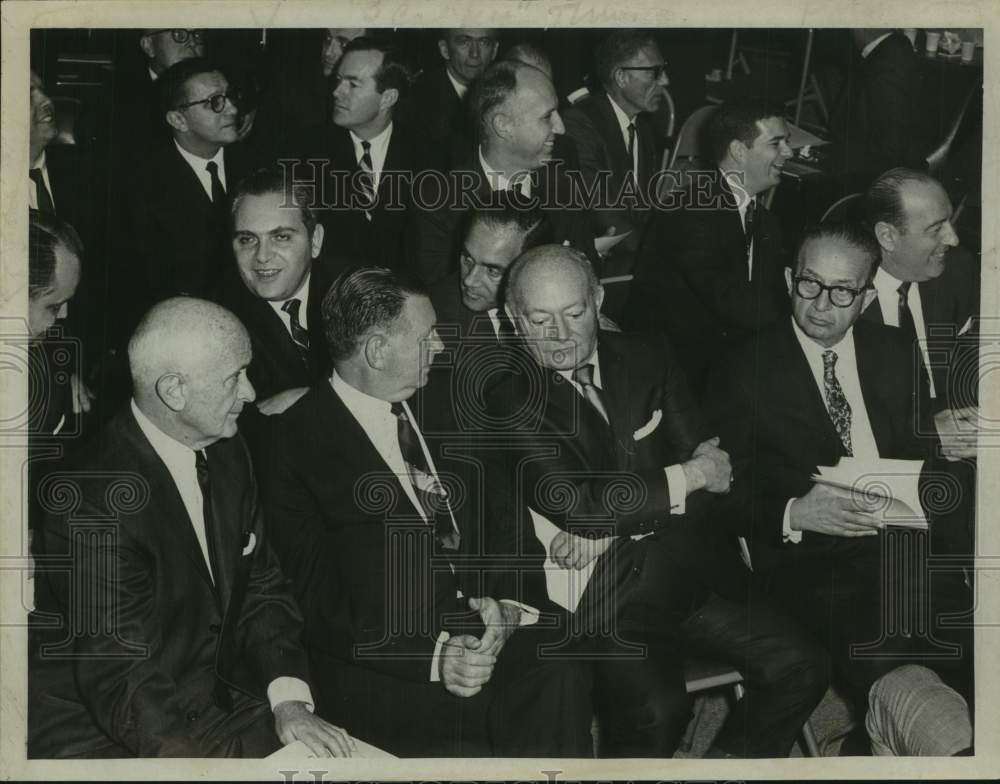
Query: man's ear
(388,99)
(175,119)
(619,77)
(376,350)
(146,44)
(317,240)
(501,123)
(599,297)
(887,235)
(443,49)
(170,390)
(738,151)
(788,280)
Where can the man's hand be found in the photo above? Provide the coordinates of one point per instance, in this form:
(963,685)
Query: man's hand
(292,722)
(463,667)
(501,621)
(708,468)
(958,429)
(828,511)
(280,401)
(81,395)
(574,552)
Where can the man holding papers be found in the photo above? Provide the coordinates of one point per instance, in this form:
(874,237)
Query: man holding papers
(806,393)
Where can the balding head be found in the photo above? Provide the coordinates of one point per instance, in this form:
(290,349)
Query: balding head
(555,295)
(188,359)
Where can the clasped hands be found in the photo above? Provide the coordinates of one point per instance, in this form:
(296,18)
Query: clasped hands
(466,662)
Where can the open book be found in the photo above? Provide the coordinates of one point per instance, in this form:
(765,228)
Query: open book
(892,485)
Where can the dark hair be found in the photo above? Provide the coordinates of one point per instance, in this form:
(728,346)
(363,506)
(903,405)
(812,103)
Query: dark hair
(173,80)
(273,180)
(736,120)
(532,225)
(360,299)
(489,91)
(883,202)
(396,72)
(619,47)
(852,233)
(45,233)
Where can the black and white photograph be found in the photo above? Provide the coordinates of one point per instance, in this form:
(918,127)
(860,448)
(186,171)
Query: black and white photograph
(521,390)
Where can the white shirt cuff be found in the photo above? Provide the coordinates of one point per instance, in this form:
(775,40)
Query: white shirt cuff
(529,614)
(788,536)
(678,489)
(443,637)
(287,688)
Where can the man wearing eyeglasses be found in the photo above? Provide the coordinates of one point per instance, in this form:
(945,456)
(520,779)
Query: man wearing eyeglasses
(176,197)
(806,392)
(615,137)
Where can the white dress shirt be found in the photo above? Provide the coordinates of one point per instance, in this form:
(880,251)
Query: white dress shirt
(32,190)
(460,89)
(498,180)
(302,295)
(862,438)
(179,461)
(623,123)
(198,165)
(676,483)
(379,150)
(887,288)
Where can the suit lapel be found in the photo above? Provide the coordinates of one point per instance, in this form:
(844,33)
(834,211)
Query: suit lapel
(611,132)
(617,386)
(870,371)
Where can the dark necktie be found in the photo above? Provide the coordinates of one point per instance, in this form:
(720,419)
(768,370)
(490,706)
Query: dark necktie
(435,504)
(584,376)
(905,315)
(218,192)
(367,178)
(300,335)
(751,225)
(42,197)
(631,147)
(836,403)
(222,696)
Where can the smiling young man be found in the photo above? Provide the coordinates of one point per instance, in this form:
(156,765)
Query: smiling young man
(710,268)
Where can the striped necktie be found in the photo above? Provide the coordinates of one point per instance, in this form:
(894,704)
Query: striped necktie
(367,178)
(300,335)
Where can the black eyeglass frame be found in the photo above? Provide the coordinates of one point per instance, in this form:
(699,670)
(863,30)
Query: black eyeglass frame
(854,293)
(219,100)
(658,70)
(181,35)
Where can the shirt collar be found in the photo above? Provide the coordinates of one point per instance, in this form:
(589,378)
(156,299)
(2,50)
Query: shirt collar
(623,119)
(743,198)
(173,453)
(153,75)
(198,163)
(39,161)
(301,294)
(498,180)
(460,88)
(591,360)
(871,46)
(369,411)
(378,141)
(814,351)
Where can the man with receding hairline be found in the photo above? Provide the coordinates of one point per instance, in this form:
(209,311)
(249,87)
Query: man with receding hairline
(185,641)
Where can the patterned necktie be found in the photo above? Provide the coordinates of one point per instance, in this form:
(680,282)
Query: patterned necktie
(751,226)
(367,178)
(836,403)
(223,698)
(218,192)
(428,490)
(584,376)
(905,315)
(42,196)
(300,335)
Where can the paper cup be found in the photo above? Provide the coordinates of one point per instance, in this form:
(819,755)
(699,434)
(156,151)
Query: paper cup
(968,51)
(933,38)
(911,33)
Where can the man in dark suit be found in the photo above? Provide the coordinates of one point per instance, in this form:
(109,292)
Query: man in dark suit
(369,159)
(927,287)
(883,117)
(611,455)
(806,392)
(176,209)
(386,546)
(517,112)
(437,105)
(615,138)
(177,635)
(710,266)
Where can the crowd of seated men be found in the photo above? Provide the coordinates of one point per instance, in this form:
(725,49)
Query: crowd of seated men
(366,457)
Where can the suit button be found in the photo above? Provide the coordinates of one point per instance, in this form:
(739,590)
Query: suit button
(214,628)
(192,716)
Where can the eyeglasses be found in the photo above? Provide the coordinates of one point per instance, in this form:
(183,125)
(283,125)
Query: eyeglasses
(656,70)
(217,102)
(181,36)
(841,296)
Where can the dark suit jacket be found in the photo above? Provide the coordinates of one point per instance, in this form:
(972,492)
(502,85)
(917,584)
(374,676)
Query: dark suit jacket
(593,126)
(434,110)
(579,473)
(155,634)
(361,559)
(949,302)
(691,277)
(439,205)
(773,421)
(883,118)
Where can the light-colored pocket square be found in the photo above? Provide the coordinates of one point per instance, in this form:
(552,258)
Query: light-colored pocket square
(251,543)
(649,427)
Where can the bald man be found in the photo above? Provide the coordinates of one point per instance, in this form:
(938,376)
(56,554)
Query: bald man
(178,636)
